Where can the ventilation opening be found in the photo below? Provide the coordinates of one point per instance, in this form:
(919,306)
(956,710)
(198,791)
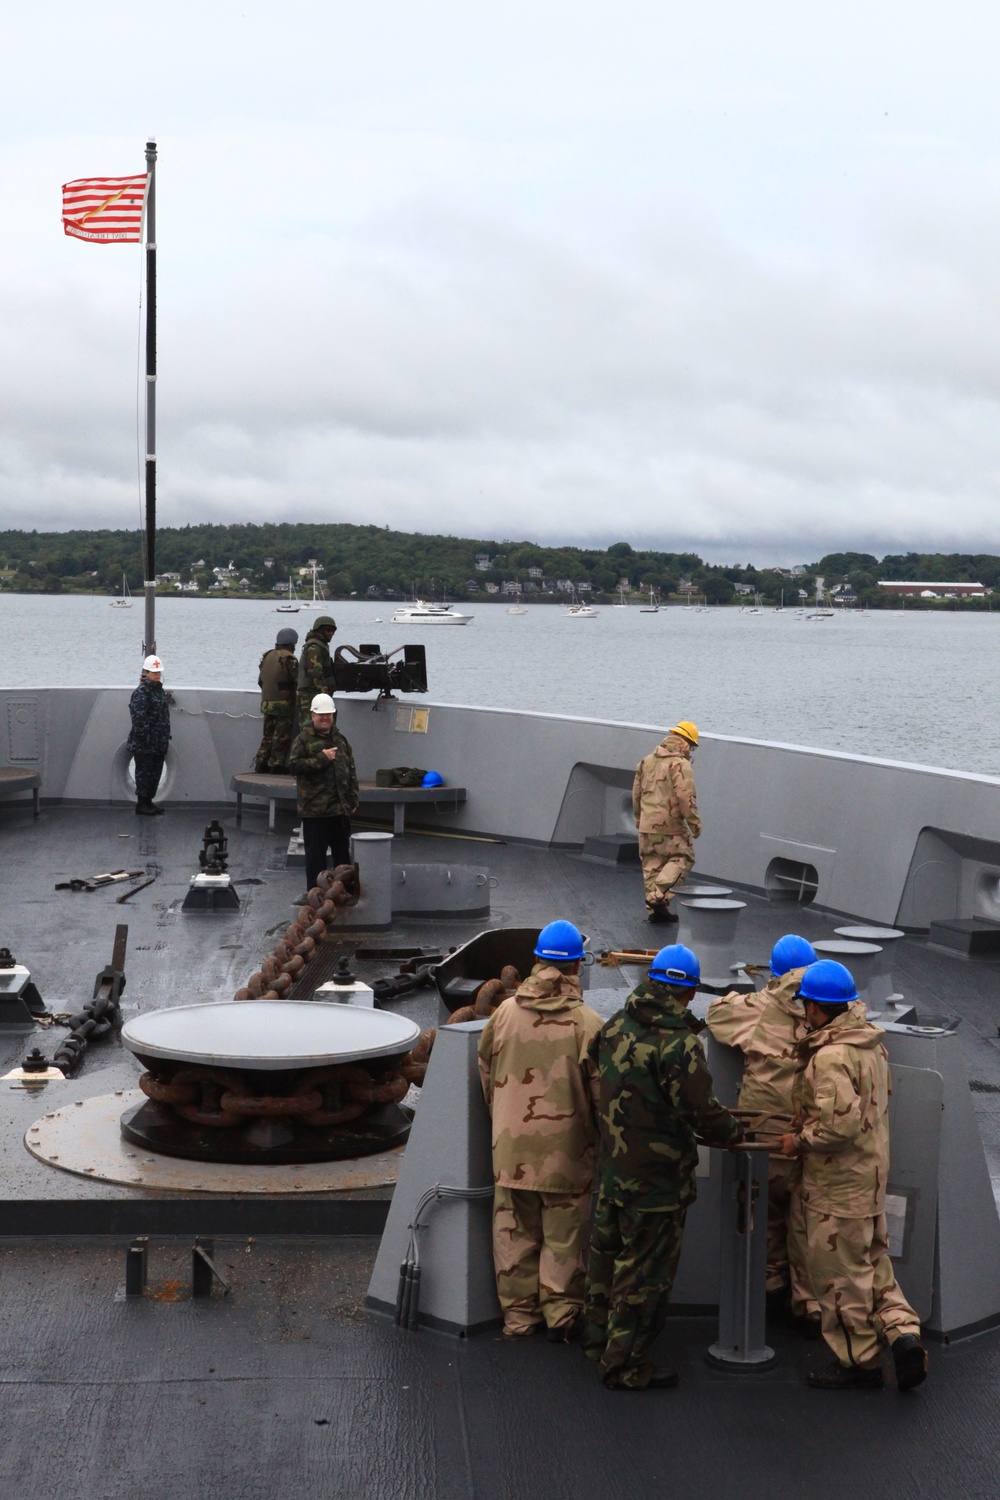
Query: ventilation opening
(791,882)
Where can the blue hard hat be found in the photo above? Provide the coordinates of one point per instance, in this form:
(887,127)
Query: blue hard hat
(676,965)
(559,941)
(433,778)
(791,952)
(828,983)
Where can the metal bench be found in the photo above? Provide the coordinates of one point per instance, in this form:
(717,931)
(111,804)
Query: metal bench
(13,779)
(274,788)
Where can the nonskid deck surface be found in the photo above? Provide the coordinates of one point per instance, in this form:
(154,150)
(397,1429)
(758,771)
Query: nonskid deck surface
(288,1388)
(65,937)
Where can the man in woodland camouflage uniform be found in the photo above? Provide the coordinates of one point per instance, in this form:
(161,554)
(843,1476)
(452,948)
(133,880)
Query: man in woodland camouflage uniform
(276,680)
(666,815)
(768,1027)
(540,1088)
(842,1135)
(656,1095)
(316,665)
(326,782)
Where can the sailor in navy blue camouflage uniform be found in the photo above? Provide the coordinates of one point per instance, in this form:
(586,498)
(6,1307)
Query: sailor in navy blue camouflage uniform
(150,735)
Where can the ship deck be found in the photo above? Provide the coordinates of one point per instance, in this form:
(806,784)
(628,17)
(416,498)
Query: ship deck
(287,1386)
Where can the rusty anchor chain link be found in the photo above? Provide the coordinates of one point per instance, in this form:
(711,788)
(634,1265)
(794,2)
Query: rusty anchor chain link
(223,1098)
(280,970)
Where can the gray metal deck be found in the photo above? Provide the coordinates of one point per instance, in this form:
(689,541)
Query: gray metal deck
(287,1386)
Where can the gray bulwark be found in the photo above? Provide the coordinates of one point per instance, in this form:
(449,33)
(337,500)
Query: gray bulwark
(449,1144)
(911,1194)
(966,1296)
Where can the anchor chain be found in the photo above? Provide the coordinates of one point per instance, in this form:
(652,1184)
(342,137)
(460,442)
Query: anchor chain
(223,1098)
(283,965)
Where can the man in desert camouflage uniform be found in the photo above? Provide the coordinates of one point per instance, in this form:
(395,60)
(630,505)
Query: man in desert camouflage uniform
(316,665)
(666,815)
(276,680)
(540,1088)
(656,1095)
(768,1027)
(841,1132)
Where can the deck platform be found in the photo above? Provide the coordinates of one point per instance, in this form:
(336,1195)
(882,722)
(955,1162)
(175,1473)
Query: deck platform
(287,1385)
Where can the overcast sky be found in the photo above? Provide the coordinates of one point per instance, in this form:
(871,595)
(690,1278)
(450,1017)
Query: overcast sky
(713,276)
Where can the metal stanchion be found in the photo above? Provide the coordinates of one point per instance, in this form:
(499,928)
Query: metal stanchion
(743,1268)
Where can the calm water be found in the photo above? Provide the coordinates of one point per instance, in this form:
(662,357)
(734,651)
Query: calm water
(914,687)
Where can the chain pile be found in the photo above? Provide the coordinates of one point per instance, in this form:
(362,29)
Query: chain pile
(224,1098)
(279,972)
(101,1015)
(297,947)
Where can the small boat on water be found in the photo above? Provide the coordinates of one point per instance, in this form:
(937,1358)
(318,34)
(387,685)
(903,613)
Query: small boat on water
(581,612)
(124,600)
(420,612)
(517,609)
(292,606)
(652,608)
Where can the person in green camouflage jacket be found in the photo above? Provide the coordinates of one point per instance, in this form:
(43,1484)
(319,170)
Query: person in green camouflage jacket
(656,1097)
(327,788)
(540,1087)
(315,673)
(276,680)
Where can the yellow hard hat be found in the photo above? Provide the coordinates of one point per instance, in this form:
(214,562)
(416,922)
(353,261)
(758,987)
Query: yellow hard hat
(688,730)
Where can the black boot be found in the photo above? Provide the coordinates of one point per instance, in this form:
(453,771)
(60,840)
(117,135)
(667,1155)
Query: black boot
(659,913)
(910,1359)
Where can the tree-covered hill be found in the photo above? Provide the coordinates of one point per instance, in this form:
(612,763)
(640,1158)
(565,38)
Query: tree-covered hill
(359,559)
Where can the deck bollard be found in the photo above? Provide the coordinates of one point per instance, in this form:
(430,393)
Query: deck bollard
(881,987)
(860,958)
(372,853)
(709,925)
(743,1263)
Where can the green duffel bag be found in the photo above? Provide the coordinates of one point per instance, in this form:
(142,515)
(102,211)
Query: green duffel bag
(408,776)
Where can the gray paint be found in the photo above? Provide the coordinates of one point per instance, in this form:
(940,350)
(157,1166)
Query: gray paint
(449,1144)
(967,1269)
(857,821)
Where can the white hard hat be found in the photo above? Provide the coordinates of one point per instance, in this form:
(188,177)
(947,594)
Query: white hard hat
(152,664)
(322,704)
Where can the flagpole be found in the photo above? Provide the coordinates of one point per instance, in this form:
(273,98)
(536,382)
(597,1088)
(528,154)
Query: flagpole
(149,644)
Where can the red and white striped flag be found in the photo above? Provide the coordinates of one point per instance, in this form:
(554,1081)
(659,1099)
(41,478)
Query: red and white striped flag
(107,210)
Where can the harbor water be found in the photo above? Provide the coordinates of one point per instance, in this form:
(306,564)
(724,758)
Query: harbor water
(915,687)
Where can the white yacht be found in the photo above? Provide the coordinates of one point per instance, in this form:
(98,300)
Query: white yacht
(420,612)
(581,612)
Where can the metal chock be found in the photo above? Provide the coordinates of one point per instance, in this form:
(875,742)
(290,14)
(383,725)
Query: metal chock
(135,1267)
(204,1269)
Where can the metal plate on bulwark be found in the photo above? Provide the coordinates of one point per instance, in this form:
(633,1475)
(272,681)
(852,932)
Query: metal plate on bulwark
(85,1138)
(269,1034)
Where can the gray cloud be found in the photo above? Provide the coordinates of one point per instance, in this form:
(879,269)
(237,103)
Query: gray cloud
(563,315)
